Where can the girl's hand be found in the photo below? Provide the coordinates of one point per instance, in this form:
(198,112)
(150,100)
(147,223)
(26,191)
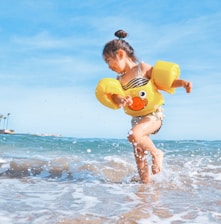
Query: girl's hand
(122,101)
(188,86)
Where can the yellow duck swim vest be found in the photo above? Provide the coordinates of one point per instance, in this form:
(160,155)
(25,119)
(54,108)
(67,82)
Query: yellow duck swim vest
(146,98)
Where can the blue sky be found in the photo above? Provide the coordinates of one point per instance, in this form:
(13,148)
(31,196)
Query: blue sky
(50,63)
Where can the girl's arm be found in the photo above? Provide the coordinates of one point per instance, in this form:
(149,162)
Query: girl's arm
(182,83)
(121,101)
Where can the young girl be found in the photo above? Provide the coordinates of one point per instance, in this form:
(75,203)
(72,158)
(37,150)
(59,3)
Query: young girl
(120,57)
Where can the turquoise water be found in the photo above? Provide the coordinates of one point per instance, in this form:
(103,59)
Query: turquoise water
(60,180)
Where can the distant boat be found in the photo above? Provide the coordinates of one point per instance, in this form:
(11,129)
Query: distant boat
(6,131)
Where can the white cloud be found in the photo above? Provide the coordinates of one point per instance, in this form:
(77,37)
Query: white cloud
(41,40)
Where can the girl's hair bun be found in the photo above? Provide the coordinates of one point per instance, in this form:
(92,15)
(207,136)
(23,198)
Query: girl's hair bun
(120,34)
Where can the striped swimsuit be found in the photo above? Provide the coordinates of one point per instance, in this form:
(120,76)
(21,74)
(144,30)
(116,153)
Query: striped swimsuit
(135,82)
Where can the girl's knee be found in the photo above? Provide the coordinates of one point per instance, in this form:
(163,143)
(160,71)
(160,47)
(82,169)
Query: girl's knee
(132,136)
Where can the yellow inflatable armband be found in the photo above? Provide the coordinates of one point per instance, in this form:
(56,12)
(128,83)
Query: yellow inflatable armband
(105,88)
(163,75)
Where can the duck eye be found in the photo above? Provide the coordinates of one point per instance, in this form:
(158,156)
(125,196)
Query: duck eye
(142,94)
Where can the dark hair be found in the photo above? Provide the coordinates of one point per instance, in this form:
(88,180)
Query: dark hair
(113,46)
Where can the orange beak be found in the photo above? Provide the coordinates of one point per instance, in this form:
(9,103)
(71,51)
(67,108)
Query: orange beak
(138,103)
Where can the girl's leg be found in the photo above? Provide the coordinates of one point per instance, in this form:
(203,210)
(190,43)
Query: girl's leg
(139,137)
(142,165)
(157,155)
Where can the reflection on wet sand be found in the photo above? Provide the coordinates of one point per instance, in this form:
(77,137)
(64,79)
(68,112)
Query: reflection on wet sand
(142,210)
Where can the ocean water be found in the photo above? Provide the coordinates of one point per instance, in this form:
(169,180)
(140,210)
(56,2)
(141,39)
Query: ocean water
(60,180)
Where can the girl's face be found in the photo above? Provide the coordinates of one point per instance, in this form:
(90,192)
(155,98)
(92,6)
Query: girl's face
(116,63)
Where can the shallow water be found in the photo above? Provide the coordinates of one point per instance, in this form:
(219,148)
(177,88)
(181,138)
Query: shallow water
(58,180)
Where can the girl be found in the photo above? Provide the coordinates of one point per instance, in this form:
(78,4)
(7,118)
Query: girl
(120,57)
